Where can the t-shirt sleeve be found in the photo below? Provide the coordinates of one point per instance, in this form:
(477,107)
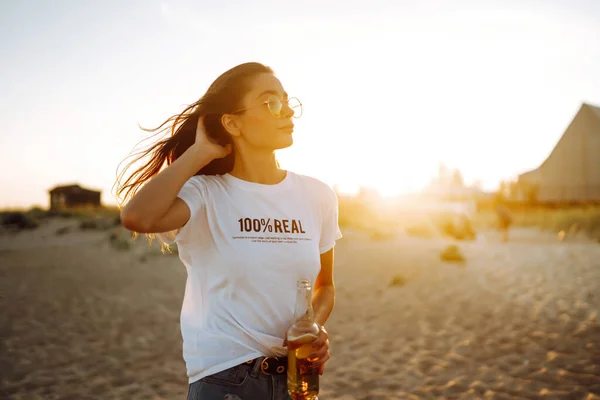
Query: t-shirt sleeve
(330,230)
(193,194)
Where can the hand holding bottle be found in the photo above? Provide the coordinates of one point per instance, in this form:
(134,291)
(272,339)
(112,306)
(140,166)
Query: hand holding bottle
(321,350)
(320,354)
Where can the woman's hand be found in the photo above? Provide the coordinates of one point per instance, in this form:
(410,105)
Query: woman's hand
(205,145)
(321,350)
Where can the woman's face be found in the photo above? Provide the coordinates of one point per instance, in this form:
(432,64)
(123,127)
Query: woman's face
(259,127)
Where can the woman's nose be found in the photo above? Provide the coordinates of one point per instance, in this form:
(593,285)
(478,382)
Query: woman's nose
(286,110)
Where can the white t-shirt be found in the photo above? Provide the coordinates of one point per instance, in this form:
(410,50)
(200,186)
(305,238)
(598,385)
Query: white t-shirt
(245,247)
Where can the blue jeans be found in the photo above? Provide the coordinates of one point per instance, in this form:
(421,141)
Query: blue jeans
(242,382)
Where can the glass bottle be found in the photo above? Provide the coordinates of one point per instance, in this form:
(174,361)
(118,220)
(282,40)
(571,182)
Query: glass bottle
(302,375)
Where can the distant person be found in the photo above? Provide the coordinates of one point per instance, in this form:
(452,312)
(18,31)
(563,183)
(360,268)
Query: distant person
(504,220)
(245,229)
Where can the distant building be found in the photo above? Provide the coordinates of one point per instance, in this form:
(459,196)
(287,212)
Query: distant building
(449,185)
(571,173)
(73,196)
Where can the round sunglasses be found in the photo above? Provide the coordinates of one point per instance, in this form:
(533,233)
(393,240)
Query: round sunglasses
(275,105)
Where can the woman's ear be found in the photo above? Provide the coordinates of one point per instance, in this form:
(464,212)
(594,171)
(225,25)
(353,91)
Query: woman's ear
(232,124)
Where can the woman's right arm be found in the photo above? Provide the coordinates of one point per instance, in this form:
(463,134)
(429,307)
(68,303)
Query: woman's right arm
(155,208)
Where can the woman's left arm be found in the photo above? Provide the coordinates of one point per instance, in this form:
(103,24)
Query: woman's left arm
(324,291)
(323,301)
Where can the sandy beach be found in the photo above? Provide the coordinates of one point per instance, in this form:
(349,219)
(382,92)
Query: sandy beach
(82,318)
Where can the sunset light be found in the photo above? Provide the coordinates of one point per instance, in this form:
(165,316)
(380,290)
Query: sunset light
(390,91)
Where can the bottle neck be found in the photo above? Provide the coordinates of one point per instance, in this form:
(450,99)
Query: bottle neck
(304,309)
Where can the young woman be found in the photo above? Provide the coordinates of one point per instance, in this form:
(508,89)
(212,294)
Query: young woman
(245,229)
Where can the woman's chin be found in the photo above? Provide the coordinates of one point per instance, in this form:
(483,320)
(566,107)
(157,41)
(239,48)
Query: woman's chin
(285,142)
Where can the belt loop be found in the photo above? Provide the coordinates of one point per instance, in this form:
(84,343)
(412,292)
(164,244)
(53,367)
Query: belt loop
(256,367)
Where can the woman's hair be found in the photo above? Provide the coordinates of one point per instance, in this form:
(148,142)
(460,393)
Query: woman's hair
(223,96)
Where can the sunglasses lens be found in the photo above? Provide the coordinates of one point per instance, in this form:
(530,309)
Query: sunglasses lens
(296,106)
(275,105)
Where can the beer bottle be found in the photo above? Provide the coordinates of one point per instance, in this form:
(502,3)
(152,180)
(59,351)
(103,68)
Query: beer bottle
(302,375)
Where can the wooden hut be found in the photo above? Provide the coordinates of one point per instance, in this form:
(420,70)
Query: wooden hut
(571,173)
(73,196)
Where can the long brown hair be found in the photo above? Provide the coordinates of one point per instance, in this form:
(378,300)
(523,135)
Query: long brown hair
(223,96)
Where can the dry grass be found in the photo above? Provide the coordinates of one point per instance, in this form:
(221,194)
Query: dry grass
(570,221)
(39,213)
(89,219)
(381,221)
(425,231)
(384,221)
(398,280)
(452,254)
(15,220)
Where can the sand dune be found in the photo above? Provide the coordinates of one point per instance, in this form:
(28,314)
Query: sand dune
(82,320)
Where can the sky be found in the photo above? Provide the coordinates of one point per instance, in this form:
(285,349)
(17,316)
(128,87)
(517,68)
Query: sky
(390,89)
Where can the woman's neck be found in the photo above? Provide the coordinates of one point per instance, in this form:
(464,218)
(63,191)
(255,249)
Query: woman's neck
(258,167)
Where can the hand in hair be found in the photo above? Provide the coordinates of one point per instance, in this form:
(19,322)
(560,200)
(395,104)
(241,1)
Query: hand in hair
(156,207)
(207,145)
